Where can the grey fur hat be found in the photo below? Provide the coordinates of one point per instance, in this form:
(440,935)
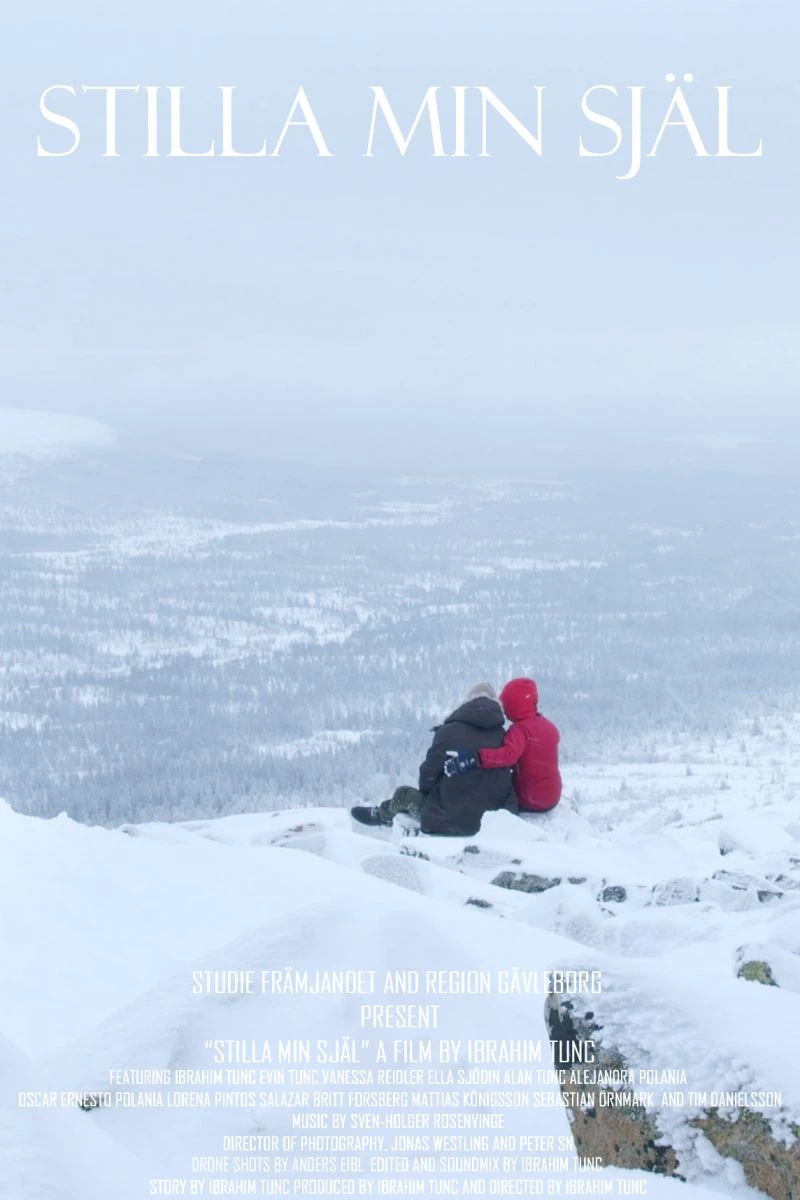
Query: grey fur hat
(481,689)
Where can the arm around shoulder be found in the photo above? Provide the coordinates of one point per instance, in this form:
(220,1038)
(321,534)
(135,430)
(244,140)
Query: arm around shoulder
(509,753)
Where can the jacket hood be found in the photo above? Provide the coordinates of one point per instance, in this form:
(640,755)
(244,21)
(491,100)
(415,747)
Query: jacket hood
(520,699)
(482,712)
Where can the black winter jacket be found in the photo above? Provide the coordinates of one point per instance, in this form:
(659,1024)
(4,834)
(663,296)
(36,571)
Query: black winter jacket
(455,806)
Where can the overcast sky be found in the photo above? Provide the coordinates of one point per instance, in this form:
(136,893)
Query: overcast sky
(412,311)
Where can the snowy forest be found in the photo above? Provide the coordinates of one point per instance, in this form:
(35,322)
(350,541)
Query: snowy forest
(184,637)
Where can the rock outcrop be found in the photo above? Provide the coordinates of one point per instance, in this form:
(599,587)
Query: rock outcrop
(756,971)
(624,1135)
(629,1134)
(519,881)
(770,1166)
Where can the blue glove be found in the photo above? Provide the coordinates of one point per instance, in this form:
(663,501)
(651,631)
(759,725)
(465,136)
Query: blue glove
(459,762)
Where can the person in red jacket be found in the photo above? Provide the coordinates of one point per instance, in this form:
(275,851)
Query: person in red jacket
(530,747)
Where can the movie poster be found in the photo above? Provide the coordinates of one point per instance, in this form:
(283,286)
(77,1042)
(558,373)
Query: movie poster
(399,605)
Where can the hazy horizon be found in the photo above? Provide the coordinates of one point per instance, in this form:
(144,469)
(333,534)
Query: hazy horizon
(408,312)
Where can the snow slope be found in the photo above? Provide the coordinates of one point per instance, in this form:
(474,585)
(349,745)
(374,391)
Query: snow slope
(108,926)
(44,435)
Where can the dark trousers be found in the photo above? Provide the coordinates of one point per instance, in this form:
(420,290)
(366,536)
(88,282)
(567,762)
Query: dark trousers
(405,800)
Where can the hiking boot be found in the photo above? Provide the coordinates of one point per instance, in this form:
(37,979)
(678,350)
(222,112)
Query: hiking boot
(369,816)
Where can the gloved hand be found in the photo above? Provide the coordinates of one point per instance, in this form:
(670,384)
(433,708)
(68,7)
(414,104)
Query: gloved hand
(459,762)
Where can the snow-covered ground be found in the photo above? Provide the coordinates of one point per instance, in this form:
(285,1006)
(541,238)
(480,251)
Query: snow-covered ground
(657,878)
(44,435)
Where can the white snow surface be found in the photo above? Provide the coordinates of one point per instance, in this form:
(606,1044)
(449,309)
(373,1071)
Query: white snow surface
(45,435)
(108,925)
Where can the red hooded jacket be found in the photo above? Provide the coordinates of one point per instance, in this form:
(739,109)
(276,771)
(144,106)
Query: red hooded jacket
(530,747)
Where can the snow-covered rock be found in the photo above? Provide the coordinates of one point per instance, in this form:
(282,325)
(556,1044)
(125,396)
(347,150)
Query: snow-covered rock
(111,924)
(754,834)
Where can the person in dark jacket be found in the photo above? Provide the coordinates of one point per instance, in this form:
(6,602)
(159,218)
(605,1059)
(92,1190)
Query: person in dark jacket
(530,748)
(453,806)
